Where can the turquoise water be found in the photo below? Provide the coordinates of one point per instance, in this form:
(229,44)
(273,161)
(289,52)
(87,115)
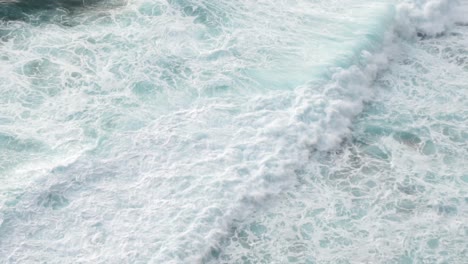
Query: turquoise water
(153,131)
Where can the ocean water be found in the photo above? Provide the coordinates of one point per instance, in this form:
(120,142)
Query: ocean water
(197,131)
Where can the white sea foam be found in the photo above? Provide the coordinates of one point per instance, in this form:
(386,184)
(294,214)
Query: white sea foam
(183,116)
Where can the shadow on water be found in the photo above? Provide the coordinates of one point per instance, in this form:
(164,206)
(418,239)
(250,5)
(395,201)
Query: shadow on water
(43,10)
(31,5)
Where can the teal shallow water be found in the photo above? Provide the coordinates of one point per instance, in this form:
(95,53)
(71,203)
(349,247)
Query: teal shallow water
(194,131)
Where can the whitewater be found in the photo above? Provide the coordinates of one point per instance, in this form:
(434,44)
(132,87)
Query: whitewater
(199,131)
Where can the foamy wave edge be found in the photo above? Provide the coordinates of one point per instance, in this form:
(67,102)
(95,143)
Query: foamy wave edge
(341,99)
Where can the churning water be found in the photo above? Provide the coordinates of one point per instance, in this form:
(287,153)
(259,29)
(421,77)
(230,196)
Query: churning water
(202,131)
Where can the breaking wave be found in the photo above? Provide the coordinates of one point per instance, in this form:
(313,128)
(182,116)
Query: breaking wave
(150,131)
